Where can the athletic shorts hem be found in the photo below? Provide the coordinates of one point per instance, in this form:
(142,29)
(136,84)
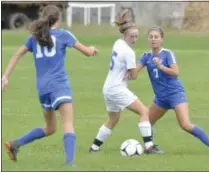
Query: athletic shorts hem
(114,107)
(56,106)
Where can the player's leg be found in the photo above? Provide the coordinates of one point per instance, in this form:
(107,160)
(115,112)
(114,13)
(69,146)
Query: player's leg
(182,114)
(144,126)
(105,131)
(66,110)
(51,122)
(126,99)
(156,111)
(36,133)
(62,101)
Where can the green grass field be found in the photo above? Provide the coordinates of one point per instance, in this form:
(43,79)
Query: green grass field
(21,110)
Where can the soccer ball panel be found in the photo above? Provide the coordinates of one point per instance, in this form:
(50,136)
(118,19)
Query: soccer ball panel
(131,150)
(131,147)
(139,149)
(127,142)
(123,153)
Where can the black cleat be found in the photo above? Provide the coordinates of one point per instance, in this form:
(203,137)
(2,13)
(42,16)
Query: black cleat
(92,150)
(12,149)
(154,150)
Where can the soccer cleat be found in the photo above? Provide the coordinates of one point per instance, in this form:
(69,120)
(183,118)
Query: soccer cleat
(93,150)
(12,149)
(154,150)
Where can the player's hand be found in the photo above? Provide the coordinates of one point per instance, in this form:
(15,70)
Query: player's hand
(157,61)
(95,51)
(4,83)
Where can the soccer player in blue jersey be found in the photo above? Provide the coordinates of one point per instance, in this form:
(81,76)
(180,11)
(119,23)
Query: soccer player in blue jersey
(48,45)
(169,91)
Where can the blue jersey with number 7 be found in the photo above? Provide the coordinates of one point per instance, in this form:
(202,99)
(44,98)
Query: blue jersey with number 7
(50,71)
(162,83)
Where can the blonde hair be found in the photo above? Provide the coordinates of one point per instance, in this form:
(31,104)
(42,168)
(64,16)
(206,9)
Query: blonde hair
(124,21)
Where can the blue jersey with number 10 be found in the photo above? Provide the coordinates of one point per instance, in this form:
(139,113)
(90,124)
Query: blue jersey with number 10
(50,71)
(162,83)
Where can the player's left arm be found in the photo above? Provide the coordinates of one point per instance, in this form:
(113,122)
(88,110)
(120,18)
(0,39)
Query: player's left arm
(139,66)
(88,51)
(173,69)
(132,74)
(132,68)
(71,41)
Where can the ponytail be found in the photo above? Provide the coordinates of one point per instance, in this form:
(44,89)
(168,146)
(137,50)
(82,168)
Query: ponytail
(40,29)
(124,21)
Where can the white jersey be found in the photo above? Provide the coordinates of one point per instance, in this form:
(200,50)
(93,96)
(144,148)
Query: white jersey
(123,58)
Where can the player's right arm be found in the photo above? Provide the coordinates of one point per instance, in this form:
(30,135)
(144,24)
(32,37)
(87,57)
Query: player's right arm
(12,64)
(14,60)
(71,41)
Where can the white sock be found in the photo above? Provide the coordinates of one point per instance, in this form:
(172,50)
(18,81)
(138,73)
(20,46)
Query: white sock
(146,131)
(102,135)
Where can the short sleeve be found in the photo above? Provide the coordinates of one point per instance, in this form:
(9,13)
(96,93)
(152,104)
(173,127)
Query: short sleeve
(29,43)
(143,59)
(130,60)
(69,38)
(171,59)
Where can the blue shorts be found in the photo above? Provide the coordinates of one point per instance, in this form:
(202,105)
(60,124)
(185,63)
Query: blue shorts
(171,101)
(53,99)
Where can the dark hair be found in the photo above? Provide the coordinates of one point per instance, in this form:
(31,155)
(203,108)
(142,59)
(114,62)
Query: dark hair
(40,28)
(157,28)
(124,21)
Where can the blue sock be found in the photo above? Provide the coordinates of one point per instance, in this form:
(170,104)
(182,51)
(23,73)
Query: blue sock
(32,135)
(200,134)
(69,145)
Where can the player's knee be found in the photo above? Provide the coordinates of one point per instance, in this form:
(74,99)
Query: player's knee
(186,126)
(51,130)
(152,121)
(144,112)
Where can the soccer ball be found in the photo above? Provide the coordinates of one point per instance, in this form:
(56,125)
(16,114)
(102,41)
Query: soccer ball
(131,147)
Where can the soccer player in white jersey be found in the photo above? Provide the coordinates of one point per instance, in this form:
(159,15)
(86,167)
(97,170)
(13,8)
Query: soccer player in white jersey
(116,93)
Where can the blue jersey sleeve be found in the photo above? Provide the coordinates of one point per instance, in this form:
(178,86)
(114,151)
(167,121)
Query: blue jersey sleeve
(143,59)
(69,38)
(171,59)
(29,43)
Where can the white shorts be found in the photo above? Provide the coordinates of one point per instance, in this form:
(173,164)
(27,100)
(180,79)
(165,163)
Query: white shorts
(118,100)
